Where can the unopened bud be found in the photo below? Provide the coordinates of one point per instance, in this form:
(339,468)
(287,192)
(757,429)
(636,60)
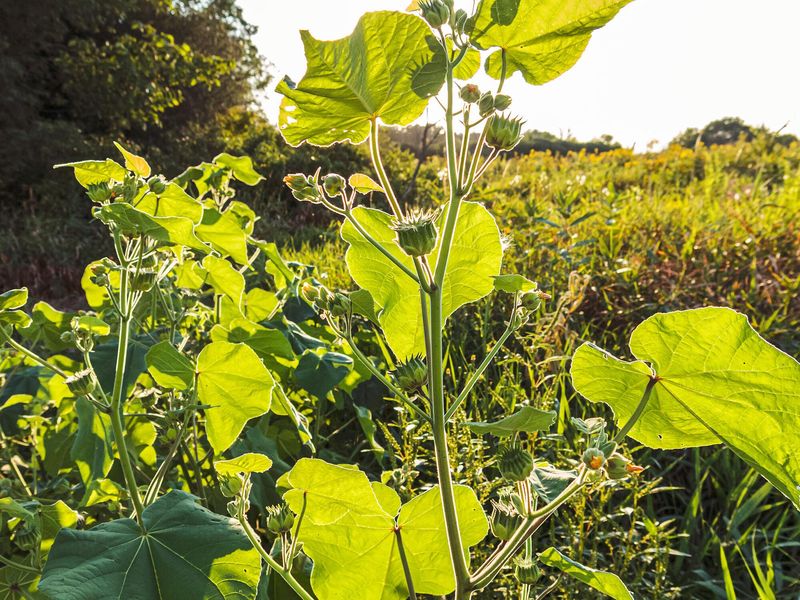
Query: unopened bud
(470,93)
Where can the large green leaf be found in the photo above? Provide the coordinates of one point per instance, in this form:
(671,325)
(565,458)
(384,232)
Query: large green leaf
(89,172)
(16,298)
(181,550)
(349,82)
(236,384)
(541,38)
(168,367)
(225,280)
(319,373)
(225,234)
(606,583)
(475,259)
(172,202)
(241,167)
(168,230)
(349,532)
(92,449)
(527,419)
(717,381)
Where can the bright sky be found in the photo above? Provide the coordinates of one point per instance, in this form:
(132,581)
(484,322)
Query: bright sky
(660,66)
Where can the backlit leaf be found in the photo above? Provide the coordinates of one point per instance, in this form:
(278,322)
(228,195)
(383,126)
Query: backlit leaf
(349,532)
(475,258)
(351,81)
(527,419)
(233,380)
(718,382)
(240,166)
(169,230)
(250,462)
(168,367)
(89,172)
(133,162)
(12,299)
(606,583)
(541,38)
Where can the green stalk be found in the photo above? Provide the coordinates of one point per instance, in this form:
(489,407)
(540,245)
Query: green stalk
(637,412)
(116,395)
(30,353)
(375,153)
(439,426)
(439,423)
(412,595)
(285,574)
(527,528)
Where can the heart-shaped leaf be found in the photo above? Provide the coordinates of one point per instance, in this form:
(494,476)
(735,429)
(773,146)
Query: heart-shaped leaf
(180,550)
(475,259)
(352,81)
(350,532)
(540,38)
(716,381)
(236,384)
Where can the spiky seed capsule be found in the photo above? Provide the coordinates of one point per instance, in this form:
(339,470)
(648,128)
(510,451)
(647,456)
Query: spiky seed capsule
(435,12)
(157,184)
(527,572)
(502,102)
(279,518)
(486,104)
(333,184)
(417,233)
(503,133)
(505,520)
(81,383)
(412,374)
(98,192)
(514,463)
(594,459)
(470,93)
(229,485)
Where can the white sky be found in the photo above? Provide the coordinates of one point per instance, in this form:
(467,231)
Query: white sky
(660,66)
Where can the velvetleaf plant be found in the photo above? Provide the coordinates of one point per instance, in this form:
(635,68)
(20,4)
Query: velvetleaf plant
(701,375)
(178,309)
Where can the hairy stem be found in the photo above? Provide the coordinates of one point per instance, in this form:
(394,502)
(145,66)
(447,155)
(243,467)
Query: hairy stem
(375,153)
(412,595)
(285,574)
(117,393)
(637,412)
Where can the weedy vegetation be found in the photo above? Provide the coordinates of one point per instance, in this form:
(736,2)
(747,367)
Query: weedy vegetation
(186,438)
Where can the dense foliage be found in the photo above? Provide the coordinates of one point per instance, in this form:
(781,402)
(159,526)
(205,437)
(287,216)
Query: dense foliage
(210,374)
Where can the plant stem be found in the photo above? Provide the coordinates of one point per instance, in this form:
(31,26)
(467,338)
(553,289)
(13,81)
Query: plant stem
(637,412)
(31,354)
(439,423)
(117,393)
(375,153)
(349,216)
(527,528)
(439,426)
(15,565)
(285,574)
(412,595)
